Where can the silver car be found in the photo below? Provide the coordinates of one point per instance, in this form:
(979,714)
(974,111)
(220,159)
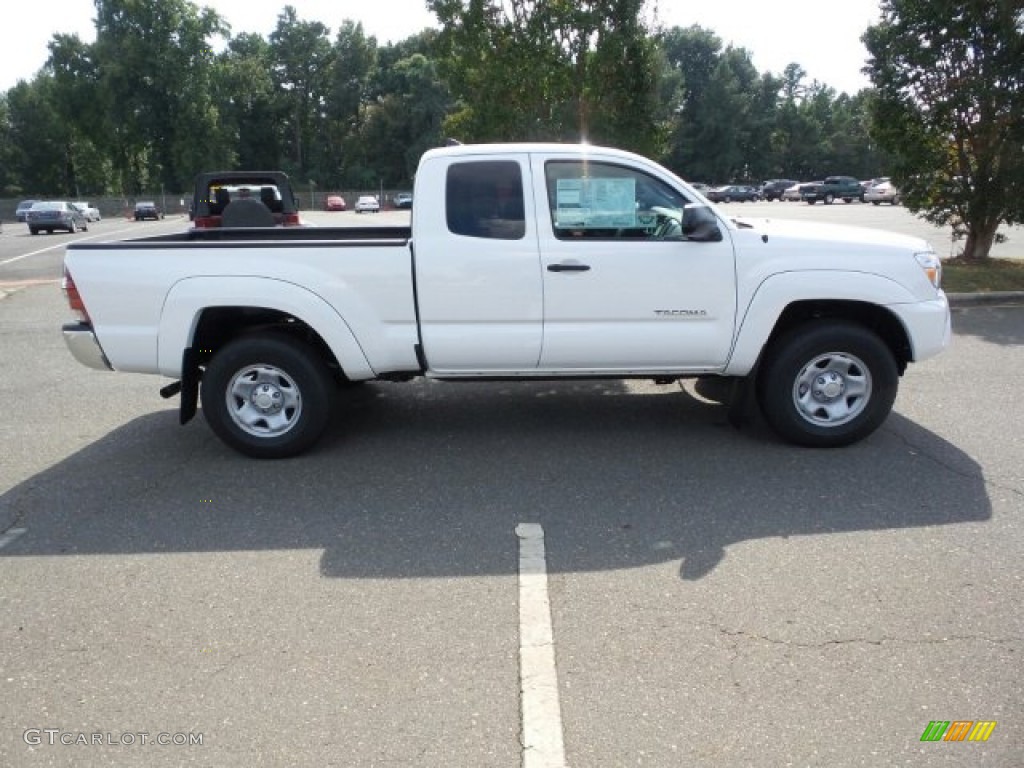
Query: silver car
(91,213)
(367,204)
(886,192)
(55,214)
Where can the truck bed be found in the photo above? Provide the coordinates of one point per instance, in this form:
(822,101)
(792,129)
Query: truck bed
(335,235)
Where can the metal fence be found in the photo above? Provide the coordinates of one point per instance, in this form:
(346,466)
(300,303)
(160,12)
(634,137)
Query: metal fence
(179,202)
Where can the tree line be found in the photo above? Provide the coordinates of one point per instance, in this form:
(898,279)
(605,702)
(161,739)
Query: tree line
(166,91)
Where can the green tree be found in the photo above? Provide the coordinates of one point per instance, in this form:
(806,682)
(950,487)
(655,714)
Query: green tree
(352,72)
(406,121)
(303,59)
(153,63)
(252,109)
(38,137)
(76,101)
(558,70)
(949,106)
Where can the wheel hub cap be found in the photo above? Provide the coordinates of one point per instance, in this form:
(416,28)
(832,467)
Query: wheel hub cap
(832,389)
(828,386)
(267,398)
(264,400)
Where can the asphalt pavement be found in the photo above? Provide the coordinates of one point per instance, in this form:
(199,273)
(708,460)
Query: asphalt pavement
(717,598)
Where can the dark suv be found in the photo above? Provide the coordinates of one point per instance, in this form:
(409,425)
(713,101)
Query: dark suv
(147,210)
(773,188)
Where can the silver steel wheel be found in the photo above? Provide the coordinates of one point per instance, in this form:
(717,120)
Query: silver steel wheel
(832,389)
(263,400)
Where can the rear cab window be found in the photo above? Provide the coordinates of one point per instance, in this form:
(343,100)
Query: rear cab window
(485,199)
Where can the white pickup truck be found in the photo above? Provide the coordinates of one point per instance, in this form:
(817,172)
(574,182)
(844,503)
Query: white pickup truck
(523,261)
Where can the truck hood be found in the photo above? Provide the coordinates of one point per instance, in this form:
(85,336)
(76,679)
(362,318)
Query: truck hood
(768,247)
(843,237)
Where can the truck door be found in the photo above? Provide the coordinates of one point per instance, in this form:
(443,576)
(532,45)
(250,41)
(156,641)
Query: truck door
(478,276)
(624,288)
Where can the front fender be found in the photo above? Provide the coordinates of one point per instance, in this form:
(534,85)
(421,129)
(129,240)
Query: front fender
(187,298)
(780,290)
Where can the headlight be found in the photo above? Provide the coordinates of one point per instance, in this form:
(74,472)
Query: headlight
(932,267)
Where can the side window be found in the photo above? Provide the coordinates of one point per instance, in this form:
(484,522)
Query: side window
(600,201)
(485,199)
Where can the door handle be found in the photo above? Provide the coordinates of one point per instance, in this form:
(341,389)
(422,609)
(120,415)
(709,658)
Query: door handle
(568,267)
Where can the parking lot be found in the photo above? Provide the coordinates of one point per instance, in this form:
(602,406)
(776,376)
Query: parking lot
(717,598)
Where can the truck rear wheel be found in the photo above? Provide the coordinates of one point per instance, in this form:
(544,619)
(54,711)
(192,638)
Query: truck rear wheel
(267,396)
(828,385)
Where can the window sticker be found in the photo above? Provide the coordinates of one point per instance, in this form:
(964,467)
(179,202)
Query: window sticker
(595,203)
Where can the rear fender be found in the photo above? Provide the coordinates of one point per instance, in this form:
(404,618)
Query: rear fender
(187,299)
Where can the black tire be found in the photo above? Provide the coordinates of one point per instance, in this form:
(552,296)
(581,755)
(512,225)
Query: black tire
(875,202)
(294,383)
(828,384)
(33,230)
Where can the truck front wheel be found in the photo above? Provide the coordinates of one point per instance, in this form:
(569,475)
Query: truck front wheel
(267,396)
(828,385)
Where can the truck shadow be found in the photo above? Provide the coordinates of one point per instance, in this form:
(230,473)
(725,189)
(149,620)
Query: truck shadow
(428,480)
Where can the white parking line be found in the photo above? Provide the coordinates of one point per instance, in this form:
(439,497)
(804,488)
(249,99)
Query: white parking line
(543,745)
(61,245)
(10,536)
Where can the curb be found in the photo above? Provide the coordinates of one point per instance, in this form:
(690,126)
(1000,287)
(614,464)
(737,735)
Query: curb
(991,299)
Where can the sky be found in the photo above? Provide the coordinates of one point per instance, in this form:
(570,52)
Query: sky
(823,37)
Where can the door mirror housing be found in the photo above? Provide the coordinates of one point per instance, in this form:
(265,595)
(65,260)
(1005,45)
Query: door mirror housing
(700,224)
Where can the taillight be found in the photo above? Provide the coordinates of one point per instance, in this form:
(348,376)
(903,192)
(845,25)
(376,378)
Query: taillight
(74,298)
(291,220)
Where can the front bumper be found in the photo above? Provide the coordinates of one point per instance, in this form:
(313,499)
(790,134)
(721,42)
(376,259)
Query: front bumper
(85,347)
(929,325)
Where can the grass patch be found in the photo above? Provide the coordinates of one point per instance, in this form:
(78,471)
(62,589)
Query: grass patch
(959,276)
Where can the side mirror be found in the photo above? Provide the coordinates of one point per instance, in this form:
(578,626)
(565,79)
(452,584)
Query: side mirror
(700,224)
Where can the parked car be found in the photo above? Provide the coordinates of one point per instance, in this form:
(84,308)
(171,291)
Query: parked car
(91,213)
(845,188)
(886,192)
(733,193)
(367,204)
(773,188)
(868,184)
(55,214)
(334,203)
(792,194)
(21,212)
(403,200)
(147,209)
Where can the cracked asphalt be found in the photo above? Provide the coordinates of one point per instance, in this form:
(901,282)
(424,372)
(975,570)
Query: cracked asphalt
(718,598)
